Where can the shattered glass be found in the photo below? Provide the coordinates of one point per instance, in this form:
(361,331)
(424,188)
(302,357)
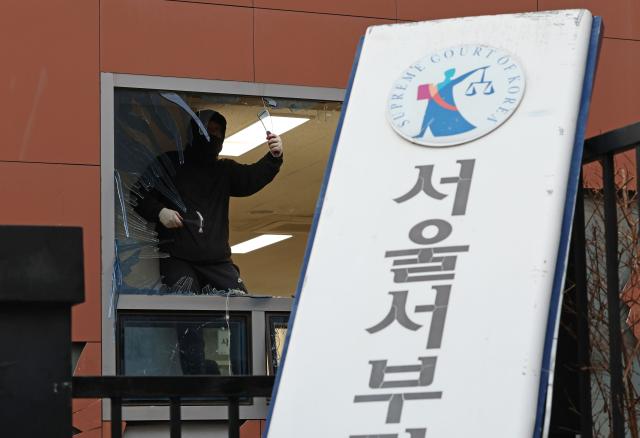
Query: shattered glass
(148,126)
(264,116)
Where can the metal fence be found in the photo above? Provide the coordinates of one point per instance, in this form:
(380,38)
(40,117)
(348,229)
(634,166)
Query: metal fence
(606,149)
(173,390)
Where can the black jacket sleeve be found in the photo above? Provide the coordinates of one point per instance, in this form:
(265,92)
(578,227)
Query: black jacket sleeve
(149,207)
(152,202)
(247,179)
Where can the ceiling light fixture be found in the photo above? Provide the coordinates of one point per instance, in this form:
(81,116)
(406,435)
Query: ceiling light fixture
(258,242)
(253,136)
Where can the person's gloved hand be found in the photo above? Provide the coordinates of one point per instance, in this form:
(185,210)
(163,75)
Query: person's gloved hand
(275,144)
(170,218)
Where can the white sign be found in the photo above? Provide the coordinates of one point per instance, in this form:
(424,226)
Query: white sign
(431,286)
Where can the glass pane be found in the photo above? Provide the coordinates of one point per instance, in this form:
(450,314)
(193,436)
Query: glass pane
(165,161)
(278,326)
(179,344)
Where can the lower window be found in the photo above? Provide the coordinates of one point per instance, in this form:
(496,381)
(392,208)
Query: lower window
(178,343)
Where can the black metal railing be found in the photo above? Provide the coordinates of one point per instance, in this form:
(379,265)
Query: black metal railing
(602,148)
(173,390)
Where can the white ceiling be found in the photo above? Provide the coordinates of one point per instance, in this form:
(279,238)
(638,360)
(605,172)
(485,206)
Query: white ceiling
(285,206)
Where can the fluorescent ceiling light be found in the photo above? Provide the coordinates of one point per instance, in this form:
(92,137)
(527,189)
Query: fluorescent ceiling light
(253,136)
(258,242)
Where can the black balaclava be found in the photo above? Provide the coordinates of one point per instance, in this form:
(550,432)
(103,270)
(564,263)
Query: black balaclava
(203,149)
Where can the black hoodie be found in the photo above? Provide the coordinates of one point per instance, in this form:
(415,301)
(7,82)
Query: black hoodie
(205,183)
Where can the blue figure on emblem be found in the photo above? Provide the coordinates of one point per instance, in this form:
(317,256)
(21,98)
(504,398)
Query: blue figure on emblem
(442,116)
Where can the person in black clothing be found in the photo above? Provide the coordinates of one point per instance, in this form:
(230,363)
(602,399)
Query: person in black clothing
(198,240)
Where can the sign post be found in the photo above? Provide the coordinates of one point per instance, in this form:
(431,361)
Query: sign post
(430,292)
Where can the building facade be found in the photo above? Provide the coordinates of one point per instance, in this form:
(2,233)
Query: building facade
(56,54)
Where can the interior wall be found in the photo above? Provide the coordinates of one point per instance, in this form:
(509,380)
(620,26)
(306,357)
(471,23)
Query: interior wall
(53,53)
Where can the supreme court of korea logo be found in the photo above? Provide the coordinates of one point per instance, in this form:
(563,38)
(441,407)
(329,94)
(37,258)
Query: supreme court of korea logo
(455,95)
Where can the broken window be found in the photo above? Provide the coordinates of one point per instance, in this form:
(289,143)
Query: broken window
(153,133)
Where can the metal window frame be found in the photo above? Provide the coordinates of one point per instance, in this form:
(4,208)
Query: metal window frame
(195,315)
(257,306)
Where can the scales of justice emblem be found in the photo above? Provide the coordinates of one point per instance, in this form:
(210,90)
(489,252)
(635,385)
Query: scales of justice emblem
(434,105)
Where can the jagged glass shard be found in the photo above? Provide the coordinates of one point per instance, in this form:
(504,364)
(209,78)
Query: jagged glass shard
(116,284)
(149,135)
(168,124)
(149,252)
(132,245)
(134,157)
(123,209)
(183,285)
(148,239)
(265,119)
(264,116)
(140,229)
(173,97)
(135,188)
(127,263)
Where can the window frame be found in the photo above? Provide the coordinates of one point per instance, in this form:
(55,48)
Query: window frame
(244,317)
(258,307)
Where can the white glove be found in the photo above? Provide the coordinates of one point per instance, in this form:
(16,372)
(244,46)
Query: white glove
(170,218)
